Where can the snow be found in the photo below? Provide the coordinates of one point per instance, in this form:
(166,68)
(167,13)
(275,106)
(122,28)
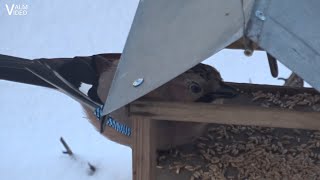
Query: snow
(84,88)
(33,118)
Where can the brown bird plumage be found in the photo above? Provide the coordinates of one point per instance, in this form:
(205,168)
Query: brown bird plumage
(200,83)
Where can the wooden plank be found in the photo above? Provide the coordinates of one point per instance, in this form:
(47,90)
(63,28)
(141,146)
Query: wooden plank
(284,96)
(271,88)
(143,149)
(226,114)
(245,96)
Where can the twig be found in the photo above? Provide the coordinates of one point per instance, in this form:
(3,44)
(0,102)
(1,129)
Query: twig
(68,150)
(92,169)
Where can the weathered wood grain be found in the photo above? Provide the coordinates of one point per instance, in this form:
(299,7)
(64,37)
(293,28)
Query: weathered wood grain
(143,150)
(227,114)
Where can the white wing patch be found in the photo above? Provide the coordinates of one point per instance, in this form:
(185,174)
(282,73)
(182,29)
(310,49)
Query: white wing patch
(84,88)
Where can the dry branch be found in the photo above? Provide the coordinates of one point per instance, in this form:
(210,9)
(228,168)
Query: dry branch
(68,150)
(92,169)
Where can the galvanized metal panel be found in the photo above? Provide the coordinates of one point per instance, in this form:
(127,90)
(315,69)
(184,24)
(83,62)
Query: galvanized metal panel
(291,33)
(168,37)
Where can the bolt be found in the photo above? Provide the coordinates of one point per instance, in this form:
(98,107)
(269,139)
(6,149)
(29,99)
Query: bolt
(137,82)
(260,15)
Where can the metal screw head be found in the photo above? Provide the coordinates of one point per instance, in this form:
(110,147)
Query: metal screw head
(137,82)
(260,15)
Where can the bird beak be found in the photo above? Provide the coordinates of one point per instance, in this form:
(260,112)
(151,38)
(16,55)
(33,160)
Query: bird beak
(224,91)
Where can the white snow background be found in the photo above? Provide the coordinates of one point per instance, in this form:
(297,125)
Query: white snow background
(32,119)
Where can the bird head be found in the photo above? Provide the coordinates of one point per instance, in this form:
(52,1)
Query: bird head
(187,87)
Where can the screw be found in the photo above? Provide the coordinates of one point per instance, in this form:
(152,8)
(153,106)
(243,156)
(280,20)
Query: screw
(260,15)
(137,82)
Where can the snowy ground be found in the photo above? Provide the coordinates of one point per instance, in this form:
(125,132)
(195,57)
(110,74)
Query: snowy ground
(33,119)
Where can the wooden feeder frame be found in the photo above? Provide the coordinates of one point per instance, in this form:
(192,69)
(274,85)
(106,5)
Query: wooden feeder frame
(146,114)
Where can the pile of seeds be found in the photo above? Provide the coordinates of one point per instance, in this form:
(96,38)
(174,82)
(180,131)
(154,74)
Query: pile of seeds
(243,152)
(286,101)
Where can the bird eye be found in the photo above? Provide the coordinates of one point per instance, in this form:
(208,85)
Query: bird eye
(195,88)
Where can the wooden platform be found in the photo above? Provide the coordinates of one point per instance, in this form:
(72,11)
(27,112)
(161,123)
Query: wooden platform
(241,110)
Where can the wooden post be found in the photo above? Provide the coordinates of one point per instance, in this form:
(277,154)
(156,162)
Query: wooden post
(143,148)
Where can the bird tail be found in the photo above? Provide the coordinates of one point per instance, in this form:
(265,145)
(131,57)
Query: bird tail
(40,73)
(13,62)
(13,69)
